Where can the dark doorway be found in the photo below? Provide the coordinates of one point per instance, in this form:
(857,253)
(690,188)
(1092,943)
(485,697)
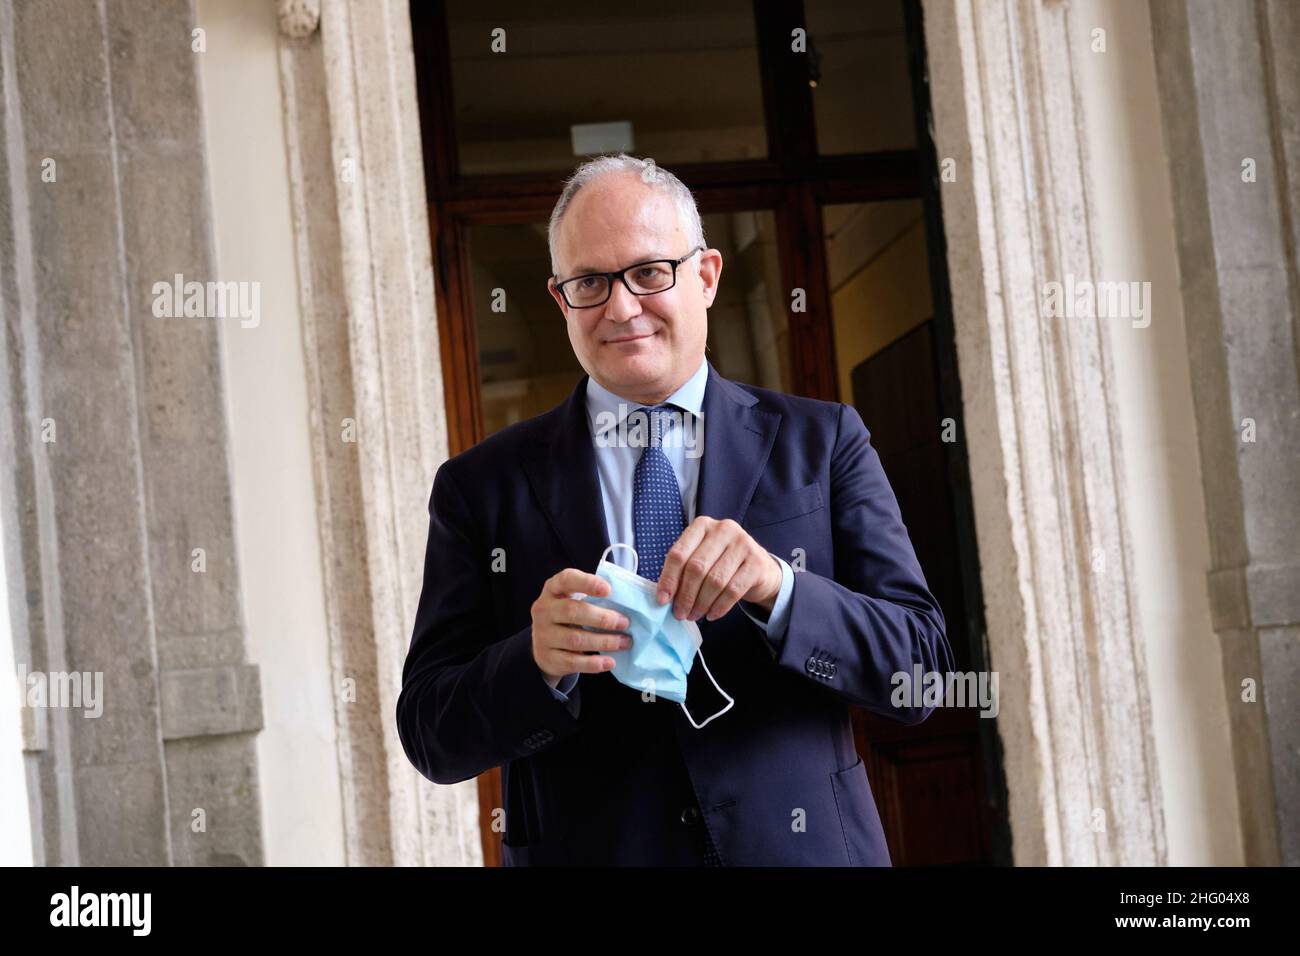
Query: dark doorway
(803,130)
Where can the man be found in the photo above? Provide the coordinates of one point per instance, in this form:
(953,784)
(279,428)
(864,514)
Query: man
(507,667)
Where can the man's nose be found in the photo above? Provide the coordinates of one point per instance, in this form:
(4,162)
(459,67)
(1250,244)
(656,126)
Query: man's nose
(622,304)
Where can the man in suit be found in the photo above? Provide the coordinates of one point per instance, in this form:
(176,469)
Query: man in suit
(508,668)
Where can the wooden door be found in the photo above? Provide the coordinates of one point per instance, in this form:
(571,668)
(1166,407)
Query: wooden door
(929,778)
(812,142)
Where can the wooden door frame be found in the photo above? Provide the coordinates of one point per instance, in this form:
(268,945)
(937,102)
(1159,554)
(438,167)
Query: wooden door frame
(793,182)
(996,807)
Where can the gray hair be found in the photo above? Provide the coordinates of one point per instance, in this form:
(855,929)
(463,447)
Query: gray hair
(688,214)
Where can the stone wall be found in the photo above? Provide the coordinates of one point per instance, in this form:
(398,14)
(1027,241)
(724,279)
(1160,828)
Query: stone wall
(119,536)
(1230,90)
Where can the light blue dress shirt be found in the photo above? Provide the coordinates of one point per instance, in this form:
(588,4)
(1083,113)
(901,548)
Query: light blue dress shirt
(683,444)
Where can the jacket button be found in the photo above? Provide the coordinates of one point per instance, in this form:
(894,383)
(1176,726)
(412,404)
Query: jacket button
(810,665)
(690,816)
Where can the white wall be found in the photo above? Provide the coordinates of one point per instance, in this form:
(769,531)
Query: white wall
(267,409)
(1162,476)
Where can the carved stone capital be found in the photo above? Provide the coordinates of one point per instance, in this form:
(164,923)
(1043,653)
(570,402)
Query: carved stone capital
(298,18)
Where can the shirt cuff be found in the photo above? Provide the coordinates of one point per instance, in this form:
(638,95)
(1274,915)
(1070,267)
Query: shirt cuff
(775,624)
(564,687)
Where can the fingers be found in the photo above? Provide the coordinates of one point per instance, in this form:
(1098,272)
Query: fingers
(580,613)
(560,645)
(577,640)
(708,567)
(719,577)
(573,581)
(746,576)
(572,650)
(561,650)
(567,662)
(670,578)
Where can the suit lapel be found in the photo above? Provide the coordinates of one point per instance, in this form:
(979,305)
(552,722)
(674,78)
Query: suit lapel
(737,438)
(562,471)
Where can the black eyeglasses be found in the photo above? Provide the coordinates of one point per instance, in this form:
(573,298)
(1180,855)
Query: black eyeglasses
(641,278)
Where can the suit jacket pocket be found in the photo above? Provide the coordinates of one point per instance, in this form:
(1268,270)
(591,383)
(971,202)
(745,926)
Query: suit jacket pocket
(789,504)
(864,837)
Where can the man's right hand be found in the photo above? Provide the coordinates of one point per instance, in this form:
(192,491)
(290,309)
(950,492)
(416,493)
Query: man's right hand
(560,646)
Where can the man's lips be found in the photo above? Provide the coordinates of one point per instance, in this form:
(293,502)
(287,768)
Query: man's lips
(629,338)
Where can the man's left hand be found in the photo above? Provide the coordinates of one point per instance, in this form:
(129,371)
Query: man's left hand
(714,564)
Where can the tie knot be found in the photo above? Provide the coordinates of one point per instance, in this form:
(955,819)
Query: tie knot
(661,418)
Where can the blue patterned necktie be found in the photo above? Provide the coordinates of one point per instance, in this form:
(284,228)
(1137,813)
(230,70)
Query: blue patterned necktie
(657,515)
(658,520)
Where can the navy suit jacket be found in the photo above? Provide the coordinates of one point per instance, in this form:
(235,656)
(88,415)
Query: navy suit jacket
(777,779)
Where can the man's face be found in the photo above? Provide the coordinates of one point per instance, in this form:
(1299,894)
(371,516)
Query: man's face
(640,347)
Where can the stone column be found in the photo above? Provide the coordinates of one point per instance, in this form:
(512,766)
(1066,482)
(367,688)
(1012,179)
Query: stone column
(1042,432)
(375,382)
(1230,90)
(120,534)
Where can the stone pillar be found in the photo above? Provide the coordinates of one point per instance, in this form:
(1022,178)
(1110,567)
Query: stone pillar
(1230,91)
(375,382)
(119,525)
(1042,432)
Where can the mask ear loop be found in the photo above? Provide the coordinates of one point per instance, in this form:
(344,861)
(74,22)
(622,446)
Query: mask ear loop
(636,558)
(730,700)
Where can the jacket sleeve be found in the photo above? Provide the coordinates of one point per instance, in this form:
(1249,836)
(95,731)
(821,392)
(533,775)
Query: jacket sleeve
(876,618)
(470,700)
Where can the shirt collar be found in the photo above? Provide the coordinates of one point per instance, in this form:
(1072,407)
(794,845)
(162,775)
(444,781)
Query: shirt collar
(606,409)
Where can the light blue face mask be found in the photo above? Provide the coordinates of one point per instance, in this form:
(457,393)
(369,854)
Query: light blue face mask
(663,648)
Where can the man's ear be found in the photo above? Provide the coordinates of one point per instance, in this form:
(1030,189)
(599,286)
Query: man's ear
(555,294)
(710,274)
